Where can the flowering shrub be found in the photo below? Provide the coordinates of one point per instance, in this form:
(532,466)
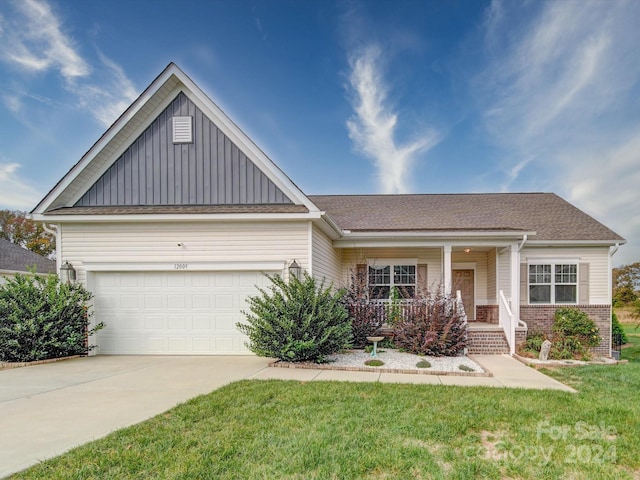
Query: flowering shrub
(573,334)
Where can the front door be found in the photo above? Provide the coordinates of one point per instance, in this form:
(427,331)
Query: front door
(464,281)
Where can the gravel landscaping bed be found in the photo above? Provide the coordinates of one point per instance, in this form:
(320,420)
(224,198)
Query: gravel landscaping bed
(394,361)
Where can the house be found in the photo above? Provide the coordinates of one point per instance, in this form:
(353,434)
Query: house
(15,259)
(174,215)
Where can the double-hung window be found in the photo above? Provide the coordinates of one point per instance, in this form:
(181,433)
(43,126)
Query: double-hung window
(384,277)
(553,283)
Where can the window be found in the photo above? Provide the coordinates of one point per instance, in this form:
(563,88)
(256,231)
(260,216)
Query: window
(553,283)
(384,277)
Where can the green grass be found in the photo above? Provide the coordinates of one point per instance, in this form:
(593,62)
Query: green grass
(334,430)
(631,353)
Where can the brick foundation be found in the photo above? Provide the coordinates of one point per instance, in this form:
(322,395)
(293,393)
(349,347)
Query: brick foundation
(487,313)
(540,317)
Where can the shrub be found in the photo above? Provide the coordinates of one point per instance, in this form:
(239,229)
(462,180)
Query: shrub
(42,318)
(297,321)
(432,325)
(465,368)
(532,345)
(366,317)
(573,334)
(423,364)
(617,332)
(374,363)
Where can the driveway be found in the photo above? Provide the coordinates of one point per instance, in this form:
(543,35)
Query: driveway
(48,409)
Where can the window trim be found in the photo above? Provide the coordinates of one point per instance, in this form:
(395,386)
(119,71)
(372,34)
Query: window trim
(552,262)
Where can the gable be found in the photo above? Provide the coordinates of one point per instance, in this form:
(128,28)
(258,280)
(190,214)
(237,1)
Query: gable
(210,170)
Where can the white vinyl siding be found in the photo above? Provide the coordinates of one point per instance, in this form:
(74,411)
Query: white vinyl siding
(327,261)
(492,298)
(504,272)
(207,242)
(596,257)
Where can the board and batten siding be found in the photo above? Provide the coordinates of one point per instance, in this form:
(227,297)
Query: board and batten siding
(596,257)
(327,260)
(211,170)
(432,257)
(149,243)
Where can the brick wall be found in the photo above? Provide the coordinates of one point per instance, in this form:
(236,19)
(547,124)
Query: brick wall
(487,342)
(487,313)
(541,317)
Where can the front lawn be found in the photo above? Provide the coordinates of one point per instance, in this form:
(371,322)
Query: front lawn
(631,351)
(327,430)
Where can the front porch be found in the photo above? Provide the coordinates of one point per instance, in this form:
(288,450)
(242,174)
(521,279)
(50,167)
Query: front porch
(484,275)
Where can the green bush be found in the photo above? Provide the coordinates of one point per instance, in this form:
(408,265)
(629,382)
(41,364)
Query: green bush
(42,318)
(616,329)
(431,325)
(297,321)
(535,338)
(423,364)
(573,334)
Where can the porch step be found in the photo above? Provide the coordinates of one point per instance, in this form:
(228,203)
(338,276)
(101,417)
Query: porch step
(489,341)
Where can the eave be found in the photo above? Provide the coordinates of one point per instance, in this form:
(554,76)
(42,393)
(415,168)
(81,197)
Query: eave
(429,238)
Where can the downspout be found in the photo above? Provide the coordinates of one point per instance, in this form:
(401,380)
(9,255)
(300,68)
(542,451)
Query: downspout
(524,240)
(55,230)
(615,249)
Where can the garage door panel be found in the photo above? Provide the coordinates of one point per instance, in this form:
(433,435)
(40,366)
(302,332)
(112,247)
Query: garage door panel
(173,312)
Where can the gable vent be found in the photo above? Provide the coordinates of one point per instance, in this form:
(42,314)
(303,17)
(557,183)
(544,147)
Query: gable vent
(182,130)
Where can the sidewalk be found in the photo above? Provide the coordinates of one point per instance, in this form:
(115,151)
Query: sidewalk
(506,370)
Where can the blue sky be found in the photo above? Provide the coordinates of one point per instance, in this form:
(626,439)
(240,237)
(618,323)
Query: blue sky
(348,96)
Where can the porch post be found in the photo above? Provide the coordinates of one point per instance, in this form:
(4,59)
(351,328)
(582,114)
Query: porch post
(515,283)
(446,269)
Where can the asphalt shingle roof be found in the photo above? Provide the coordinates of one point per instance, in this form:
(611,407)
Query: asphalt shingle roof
(14,257)
(551,217)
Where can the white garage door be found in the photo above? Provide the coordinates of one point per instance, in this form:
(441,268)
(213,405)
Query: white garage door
(173,312)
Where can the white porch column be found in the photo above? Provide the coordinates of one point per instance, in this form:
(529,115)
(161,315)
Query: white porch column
(515,283)
(446,269)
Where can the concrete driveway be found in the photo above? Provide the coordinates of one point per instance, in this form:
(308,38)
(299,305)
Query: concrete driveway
(48,409)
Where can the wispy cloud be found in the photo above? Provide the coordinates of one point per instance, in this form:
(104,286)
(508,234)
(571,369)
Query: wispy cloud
(559,97)
(38,43)
(15,193)
(33,40)
(373,126)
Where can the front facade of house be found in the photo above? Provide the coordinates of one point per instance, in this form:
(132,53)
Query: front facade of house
(172,218)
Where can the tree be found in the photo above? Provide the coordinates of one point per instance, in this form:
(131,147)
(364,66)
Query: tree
(18,229)
(626,280)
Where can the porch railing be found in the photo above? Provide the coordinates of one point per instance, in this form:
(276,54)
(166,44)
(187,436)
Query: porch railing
(508,322)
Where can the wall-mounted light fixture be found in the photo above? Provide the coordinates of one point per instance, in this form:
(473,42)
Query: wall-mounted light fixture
(67,273)
(295,270)
(467,250)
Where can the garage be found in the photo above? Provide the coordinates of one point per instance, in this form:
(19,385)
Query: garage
(173,313)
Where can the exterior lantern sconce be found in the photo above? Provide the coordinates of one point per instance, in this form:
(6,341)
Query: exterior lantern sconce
(295,270)
(68,273)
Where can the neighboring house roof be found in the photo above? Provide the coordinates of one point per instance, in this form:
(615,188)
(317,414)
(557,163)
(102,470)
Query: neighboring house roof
(551,217)
(15,258)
